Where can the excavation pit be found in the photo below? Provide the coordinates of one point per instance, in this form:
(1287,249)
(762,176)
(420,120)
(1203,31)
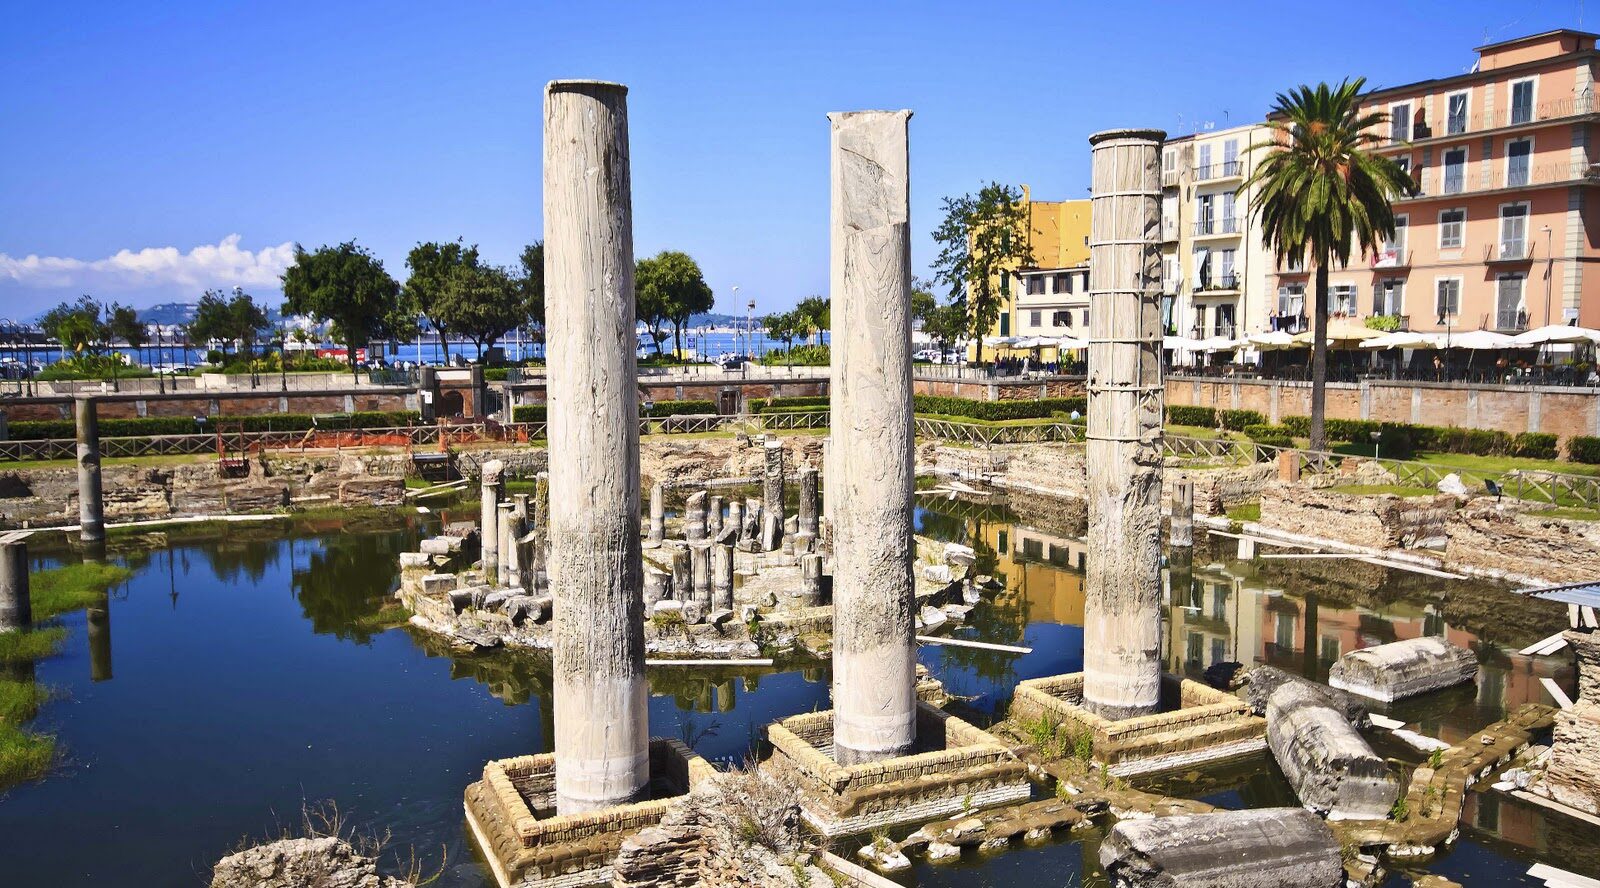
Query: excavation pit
(512,815)
(1198,724)
(955,768)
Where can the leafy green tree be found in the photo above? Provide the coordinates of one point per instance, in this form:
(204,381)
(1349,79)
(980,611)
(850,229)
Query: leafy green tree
(347,287)
(431,268)
(670,282)
(482,303)
(982,240)
(1321,190)
(649,303)
(946,324)
(248,321)
(76,325)
(923,302)
(124,324)
(531,284)
(784,327)
(213,320)
(816,313)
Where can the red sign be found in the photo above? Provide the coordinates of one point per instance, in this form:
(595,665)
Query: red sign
(361,354)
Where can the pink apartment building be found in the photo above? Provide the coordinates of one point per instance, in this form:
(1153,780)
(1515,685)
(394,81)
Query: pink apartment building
(1505,227)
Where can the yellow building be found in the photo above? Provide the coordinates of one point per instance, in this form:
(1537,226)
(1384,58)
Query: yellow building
(1051,296)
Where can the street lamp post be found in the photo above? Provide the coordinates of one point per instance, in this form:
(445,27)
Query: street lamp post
(749,333)
(283,353)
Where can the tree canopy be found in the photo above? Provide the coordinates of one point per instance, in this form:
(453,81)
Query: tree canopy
(668,287)
(78,326)
(237,320)
(347,287)
(982,240)
(1321,191)
(432,267)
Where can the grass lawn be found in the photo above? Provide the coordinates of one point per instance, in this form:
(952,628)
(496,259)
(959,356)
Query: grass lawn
(67,588)
(1572,512)
(1245,512)
(1374,489)
(1483,466)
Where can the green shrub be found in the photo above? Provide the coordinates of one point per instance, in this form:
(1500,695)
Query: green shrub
(676,408)
(1584,449)
(148,426)
(1187,415)
(794,402)
(997,410)
(801,355)
(529,413)
(1533,445)
(92,367)
(1236,420)
(1270,435)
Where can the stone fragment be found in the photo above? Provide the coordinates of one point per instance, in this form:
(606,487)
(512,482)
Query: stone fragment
(1261,681)
(693,612)
(496,600)
(1403,669)
(297,863)
(414,559)
(748,612)
(1330,767)
(523,609)
(438,584)
(1453,485)
(440,545)
(1280,847)
(694,517)
(939,852)
(884,857)
(657,586)
(719,617)
(667,606)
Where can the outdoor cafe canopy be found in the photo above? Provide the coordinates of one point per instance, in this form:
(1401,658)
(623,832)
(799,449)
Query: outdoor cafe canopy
(1557,334)
(1400,339)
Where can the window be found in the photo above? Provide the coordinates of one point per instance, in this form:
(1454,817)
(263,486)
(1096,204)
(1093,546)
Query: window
(1389,297)
(1169,160)
(1086,317)
(1035,284)
(1005,281)
(1202,268)
(1342,299)
(1230,157)
(1199,321)
(1225,277)
(1063,283)
(1456,117)
(1034,318)
(1518,153)
(1455,170)
(1061,319)
(1447,298)
(1394,248)
(1404,162)
(1005,324)
(1452,227)
(1203,163)
(1000,542)
(1514,231)
(1522,101)
(1204,215)
(1292,299)
(1225,320)
(1400,122)
(1508,303)
(1227,212)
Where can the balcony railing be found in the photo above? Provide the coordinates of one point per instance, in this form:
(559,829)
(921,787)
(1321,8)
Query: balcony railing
(1169,178)
(1508,251)
(1510,320)
(1226,281)
(1225,225)
(1516,115)
(1228,169)
(1392,257)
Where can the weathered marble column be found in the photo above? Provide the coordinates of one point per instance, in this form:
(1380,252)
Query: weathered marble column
(694,516)
(735,523)
(1181,518)
(1122,612)
(700,574)
(510,532)
(772,494)
(808,500)
(601,715)
(721,576)
(91,503)
(810,580)
(489,519)
(870,481)
(658,516)
(713,517)
(16,609)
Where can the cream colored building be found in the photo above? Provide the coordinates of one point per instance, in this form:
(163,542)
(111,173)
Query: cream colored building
(1215,271)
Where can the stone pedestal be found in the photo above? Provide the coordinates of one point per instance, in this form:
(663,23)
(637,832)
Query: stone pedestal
(870,481)
(1403,669)
(600,704)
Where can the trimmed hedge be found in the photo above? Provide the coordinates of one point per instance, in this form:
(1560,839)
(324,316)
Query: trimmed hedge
(1237,420)
(997,410)
(540,412)
(529,413)
(1206,417)
(147,426)
(796,402)
(1584,449)
(1270,435)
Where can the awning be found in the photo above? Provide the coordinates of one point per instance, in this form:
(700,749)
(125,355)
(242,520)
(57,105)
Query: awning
(1401,339)
(1476,340)
(1275,340)
(1557,334)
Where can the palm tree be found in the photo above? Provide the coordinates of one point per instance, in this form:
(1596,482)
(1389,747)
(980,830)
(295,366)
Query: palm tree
(1321,191)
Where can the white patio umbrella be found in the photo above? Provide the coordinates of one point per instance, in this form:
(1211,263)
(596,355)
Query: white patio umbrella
(1274,340)
(1475,340)
(1219,344)
(1557,334)
(998,341)
(1400,339)
(1069,343)
(1180,343)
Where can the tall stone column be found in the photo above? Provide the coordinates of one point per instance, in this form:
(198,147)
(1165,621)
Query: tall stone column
(694,517)
(510,532)
(91,503)
(658,516)
(1181,520)
(870,478)
(601,712)
(1122,612)
(772,493)
(713,518)
(808,500)
(721,576)
(16,608)
(489,519)
(733,528)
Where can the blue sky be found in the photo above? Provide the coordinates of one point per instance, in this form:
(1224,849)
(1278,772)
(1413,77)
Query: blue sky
(208,135)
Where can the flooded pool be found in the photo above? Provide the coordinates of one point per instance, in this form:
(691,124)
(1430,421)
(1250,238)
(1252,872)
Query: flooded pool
(243,671)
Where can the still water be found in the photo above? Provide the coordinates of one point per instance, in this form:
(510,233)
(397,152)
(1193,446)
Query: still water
(245,671)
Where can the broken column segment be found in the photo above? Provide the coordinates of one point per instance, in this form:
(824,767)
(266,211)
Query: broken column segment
(1181,520)
(1122,583)
(1282,847)
(91,503)
(694,517)
(658,516)
(16,608)
(810,580)
(871,483)
(489,518)
(1403,669)
(808,501)
(721,576)
(734,526)
(772,494)
(1331,768)
(507,524)
(601,712)
(713,517)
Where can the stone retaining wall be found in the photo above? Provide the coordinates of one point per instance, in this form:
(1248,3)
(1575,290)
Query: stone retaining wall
(1523,543)
(1381,521)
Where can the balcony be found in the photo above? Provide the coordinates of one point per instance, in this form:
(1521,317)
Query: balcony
(1216,227)
(1391,257)
(1228,169)
(1227,282)
(1169,178)
(1543,175)
(1508,251)
(1510,320)
(1402,322)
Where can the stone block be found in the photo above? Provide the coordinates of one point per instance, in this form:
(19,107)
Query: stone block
(1573,775)
(1331,768)
(1281,847)
(1261,681)
(1403,669)
(413,559)
(438,584)
(440,545)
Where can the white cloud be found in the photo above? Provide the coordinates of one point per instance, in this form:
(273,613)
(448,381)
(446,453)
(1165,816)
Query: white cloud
(221,265)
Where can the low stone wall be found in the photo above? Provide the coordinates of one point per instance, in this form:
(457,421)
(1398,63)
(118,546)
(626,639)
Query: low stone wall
(1383,521)
(1522,543)
(1573,774)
